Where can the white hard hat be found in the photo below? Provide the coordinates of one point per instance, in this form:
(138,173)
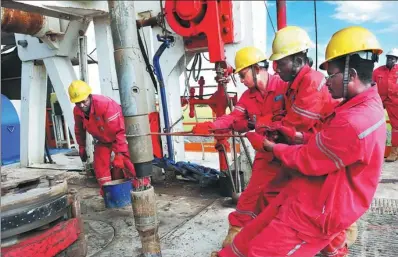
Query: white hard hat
(393,52)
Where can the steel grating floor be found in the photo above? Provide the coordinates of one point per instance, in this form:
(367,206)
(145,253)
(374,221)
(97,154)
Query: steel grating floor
(378,230)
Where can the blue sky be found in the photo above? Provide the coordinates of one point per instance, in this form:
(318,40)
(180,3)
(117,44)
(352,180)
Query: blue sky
(380,17)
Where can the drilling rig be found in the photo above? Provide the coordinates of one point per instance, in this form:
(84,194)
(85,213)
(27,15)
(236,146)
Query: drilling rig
(50,34)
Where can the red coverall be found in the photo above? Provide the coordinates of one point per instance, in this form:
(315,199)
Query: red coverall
(304,101)
(106,124)
(251,106)
(387,83)
(330,189)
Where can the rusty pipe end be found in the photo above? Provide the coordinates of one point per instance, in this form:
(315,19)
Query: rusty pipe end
(16,21)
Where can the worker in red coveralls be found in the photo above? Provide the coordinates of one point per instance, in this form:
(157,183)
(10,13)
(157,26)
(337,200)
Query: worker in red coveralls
(264,99)
(330,189)
(386,78)
(102,117)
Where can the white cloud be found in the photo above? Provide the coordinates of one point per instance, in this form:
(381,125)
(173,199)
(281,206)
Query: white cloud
(389,29)
(269,3)
(365,11)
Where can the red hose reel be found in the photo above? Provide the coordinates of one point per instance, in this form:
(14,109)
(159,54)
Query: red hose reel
(203,24)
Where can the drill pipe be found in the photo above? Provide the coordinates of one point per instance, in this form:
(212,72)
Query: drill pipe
(133,98)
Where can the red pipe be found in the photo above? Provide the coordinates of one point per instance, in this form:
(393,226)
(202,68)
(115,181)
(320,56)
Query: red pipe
(281,13)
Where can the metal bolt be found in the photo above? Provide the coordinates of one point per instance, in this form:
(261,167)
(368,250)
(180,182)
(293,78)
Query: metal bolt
(225,30)
(50,180)
(225,17)
(53,37)
(22,43)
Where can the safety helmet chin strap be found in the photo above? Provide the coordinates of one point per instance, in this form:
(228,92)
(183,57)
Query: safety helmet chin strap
(254,75)
(346,77)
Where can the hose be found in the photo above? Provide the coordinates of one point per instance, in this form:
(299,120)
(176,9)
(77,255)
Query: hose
(149,67)
(158,72)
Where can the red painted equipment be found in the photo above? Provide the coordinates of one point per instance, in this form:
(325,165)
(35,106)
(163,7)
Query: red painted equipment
(202,24)
(46,244)
(154,124)
(206,24)
(281,14)
(218,103)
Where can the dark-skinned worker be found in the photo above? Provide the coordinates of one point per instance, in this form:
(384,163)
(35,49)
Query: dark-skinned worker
(336,173)
(304,100)
(102,117)
(386,78)
(264,99)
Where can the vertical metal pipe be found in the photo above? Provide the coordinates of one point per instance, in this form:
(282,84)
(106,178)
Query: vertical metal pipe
(130,71)
(281,13)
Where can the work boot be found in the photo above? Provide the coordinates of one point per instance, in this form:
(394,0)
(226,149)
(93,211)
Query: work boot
(393,154)
(351,234)
(232,232)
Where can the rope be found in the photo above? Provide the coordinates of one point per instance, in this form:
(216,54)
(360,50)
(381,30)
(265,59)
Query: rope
(269,16)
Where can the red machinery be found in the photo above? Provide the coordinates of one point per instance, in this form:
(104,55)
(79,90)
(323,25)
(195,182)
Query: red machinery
(206,25)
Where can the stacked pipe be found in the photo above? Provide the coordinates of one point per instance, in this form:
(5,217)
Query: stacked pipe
(129,69)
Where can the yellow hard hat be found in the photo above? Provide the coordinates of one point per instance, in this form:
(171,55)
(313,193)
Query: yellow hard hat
(248,56)
(289,40)
(78,91)
(348,41)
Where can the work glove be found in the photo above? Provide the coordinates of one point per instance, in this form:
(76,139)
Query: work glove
(240,125)
(260,143)
(118,162)
(83,154)
(263,123)
(256,140)
(286,135)
(203,128)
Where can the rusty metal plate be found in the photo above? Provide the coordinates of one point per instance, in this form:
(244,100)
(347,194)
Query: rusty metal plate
(378,230)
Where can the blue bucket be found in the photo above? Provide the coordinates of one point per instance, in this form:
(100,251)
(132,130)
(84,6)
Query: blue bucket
(117,193)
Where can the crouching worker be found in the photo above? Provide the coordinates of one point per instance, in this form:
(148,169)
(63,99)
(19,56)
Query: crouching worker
(336,173)
(264,100)
(101,117)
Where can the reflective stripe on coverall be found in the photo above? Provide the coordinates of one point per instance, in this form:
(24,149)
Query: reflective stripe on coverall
(305,102)
(330,189)
(105,124)
(251,106)
(387,83)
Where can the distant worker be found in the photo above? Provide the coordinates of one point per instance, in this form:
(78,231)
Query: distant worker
(264,100)
(101,117)
(329,189)
(386,78)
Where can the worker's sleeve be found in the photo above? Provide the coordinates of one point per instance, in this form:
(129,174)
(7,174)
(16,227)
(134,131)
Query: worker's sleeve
(238,114)
(327,151)
(113,117)
(306,109)
(80,132)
